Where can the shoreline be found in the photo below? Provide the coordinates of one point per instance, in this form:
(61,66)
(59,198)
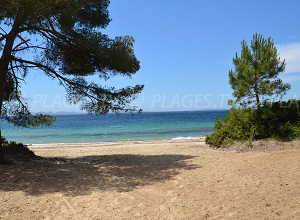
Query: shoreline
(114,145)
(122,141)
(110,128)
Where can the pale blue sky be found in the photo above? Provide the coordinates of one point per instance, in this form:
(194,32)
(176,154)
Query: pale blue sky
(186,50)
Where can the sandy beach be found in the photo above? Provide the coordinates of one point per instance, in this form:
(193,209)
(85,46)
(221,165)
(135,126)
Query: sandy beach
(182,179)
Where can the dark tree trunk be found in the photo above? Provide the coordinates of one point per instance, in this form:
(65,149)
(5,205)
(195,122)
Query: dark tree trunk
(257,101)
(4,63)
(2,89)
(256,92)
(1,149)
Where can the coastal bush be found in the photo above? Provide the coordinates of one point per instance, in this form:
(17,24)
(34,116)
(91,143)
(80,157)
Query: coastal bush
(13,149)
(280,121)
(255,81)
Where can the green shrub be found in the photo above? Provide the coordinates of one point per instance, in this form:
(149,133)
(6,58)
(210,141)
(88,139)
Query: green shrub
(270,121)
(16,149)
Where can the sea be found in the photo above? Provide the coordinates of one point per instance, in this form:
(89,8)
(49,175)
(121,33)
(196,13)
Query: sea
(85,128)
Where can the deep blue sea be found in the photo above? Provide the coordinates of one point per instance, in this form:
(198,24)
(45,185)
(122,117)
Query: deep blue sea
(83,128)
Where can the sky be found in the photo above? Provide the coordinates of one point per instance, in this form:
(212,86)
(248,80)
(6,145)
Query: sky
(186,50)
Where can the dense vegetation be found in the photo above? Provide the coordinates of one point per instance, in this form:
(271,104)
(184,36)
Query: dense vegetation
(254,114)
(280,121)
(17,151)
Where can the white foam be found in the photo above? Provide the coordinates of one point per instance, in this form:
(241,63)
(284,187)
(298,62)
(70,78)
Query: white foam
(188,138)
(71,143)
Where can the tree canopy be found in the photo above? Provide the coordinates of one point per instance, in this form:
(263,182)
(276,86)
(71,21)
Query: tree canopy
(255,77)
(65,40)
(257,111)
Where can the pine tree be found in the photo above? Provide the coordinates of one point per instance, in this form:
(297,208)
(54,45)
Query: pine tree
(255,77)
(65,39)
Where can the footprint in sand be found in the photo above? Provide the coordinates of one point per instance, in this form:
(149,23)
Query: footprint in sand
(127,209)
(141,205)
(116,201)
(162,207)
(175,182)
(138,214)
(169,193)
(65,207)
(173,199)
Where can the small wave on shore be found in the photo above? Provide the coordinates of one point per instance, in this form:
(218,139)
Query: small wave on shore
(188,138)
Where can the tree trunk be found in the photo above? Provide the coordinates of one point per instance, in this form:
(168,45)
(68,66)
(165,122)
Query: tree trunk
(1,148)
(257,101)
(4,63)
(256,91)
(2,89)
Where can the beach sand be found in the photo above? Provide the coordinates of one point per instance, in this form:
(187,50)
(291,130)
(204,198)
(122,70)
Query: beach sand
(182,179)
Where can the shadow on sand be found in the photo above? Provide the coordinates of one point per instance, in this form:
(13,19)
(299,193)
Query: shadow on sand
(82,175)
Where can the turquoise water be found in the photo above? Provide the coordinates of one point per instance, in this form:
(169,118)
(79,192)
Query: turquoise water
(112,127)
